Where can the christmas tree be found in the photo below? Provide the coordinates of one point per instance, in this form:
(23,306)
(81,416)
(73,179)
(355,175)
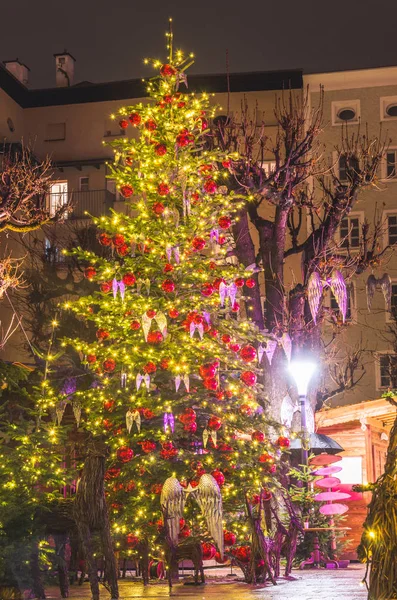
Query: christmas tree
(174,358)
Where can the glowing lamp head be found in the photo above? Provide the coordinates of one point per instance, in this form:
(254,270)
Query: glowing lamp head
(302,372)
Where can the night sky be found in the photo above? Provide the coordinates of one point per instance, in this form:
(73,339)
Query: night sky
(110,39)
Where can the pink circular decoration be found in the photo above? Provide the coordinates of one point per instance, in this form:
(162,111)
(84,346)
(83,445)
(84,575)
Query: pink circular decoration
(327,482)
(329,496)
(327,470)
(325,459)
(333,509)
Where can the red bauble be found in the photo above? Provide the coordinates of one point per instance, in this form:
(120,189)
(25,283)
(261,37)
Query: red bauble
(283,442)
(207,370)
(163,189)
(226,339)
(250,283)
(204,124)
(168,286)
(190,427)
(109,365)
(218,282)
(160,149)
(150,367)
(248,377)
(129,486)
(164,363)
(220,395)
(181,104)
(102,334)
(118,240)
(168,454)
(214,423)
(104,239)
(239,282)
(258,436)
(135,325)
(126,191)
(209,551)
(173,313)
(207,289)
(185,532)
(248,353)
(265,458)
(125,454)
(147,446)
(206,169)
(214,333)
(168,268)
(218,476)
(107,424)
(188,416)
(226,164)
(150,125)
(210,186)
(234,347)
(109,405)
(106,287)
(210,383)
(224,222)
(219,560)
(123,124)
(236,307)
(167,70)
(156,488)
(198,243)
(129,279)
(112,473)
(155,337)
(135,119)
(246,410)
(147,413)
(122,250)
(168,99)
(182,140)
(91,358)
(229,538)
(151,313)
(132,540)
(195,197)
(158,208)
(90,272)
(243,554)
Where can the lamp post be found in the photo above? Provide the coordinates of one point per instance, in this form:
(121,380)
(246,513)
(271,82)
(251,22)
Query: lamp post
(302,371)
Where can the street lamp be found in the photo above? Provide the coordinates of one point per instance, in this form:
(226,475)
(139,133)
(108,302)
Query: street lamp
(302,371)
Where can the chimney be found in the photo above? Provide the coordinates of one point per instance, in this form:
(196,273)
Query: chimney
(64,69)
(18,69)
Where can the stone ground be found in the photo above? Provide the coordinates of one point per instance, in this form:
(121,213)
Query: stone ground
(343,584)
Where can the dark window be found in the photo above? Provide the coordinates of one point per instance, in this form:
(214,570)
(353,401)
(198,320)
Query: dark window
(394,300)
(387,370)
(335,307)
(391,163)
(392,229)
(391,110)
(350,232)
(346,114)
(342,168)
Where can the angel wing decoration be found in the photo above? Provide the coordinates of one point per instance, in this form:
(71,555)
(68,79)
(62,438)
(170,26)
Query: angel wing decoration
(286,344)
(172,501)
(314,293)
(288,408)
(338,288)
(208,496)
(385,284)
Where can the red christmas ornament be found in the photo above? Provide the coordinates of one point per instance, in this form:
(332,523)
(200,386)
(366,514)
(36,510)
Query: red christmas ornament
(198,243)
(218,282)
(173,313)
(164,363)
(246,410)
(243,554)
(214,333)
(181,104)
(239,282)
(265,458)
(190,427)
(210,383)
(129,279)
(188,416)
(283,442)
(168,454)
(135,119)
(207,289)
(160,149)
(118,240)
(248,377)
(163,189)
(168,268)
(112,473)
(182,140)
(102,334)
(147,446)
(135,325)
(248,353)
(151,313)
(158,208)
(167,70)
(125,454)
(219,560)
(204,124)
(207,370)
(150,367)
(224,222)
(209,551)
(91,358)
(147,413)
(156,488)
(205,169)
(104,239)
(126,190)
(229,538)
(250,283)
(109,405)
(195,197)
(236,307)
(219,477)
(185,532)
(129,486)
(107,424)
(129,160)
(234,347)
(226,164)
(220,395)
(258,436)
(168,99)
(168,286)
(155,337)
(214,423)
(122,250)
(123,124)
(150,125)
(132,540)
(109,365)
(226,339)
(106,287)
(90,272)
(210,186)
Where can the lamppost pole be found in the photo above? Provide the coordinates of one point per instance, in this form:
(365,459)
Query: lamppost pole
(302,371)
(305,436)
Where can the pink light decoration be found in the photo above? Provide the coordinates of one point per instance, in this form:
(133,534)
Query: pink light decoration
(333,509)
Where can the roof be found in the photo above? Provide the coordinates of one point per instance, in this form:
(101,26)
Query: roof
(136,88)
(381,411)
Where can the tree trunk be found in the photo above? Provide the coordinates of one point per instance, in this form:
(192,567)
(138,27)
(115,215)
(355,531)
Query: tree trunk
(61,540)
(38,587)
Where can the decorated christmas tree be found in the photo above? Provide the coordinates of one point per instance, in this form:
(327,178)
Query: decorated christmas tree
(175,358)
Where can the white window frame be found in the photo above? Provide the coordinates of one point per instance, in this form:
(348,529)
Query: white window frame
(339,105)
(269,166)
(388,313)
(351,286)
(383,166)
(387,213)
(62,195)
(384,102)
(378,354)
(353,215)
(88,182)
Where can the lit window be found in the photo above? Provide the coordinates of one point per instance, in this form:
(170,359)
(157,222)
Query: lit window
(84,184)
(387,370)
(392,229)
(352,470)
(57,197)
(55,132)
(269,166)
(391,164)
(349,232)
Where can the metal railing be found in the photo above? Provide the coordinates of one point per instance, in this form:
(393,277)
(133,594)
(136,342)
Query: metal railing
(93,202)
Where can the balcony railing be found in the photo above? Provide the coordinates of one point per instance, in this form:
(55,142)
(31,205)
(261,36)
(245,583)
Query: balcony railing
(93,202)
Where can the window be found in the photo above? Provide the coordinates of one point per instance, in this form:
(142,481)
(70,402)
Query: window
(55,132)
(388,108)
(391,163)
(387,364)
(269,166)
(350,302)
(392,229)
(84,184)
(58,196)
(349,232)
(345,112)
(352,470)
(52,253)
(342,168)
